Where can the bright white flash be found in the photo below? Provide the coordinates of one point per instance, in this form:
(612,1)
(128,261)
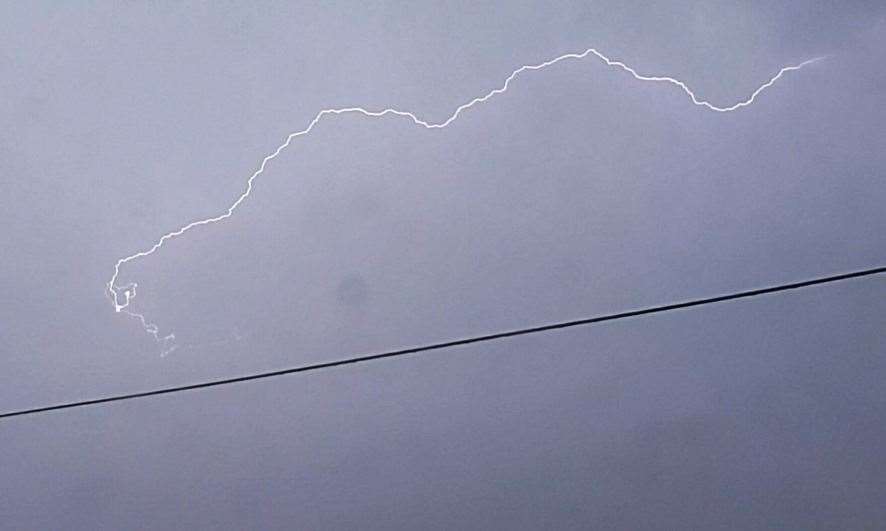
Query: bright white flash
(122,296)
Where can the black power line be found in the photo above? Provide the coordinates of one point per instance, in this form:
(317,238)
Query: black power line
(454,343)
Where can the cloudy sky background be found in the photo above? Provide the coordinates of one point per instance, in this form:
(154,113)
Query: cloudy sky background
(579,192)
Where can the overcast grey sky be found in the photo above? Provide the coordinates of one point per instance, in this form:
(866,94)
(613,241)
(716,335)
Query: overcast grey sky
(578,192)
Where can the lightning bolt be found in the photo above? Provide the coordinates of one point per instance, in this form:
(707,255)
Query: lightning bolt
(122,296)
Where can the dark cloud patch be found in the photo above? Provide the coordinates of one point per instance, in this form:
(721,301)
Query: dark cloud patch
(352,291)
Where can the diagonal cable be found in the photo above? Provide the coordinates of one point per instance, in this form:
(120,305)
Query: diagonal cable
(454,343)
